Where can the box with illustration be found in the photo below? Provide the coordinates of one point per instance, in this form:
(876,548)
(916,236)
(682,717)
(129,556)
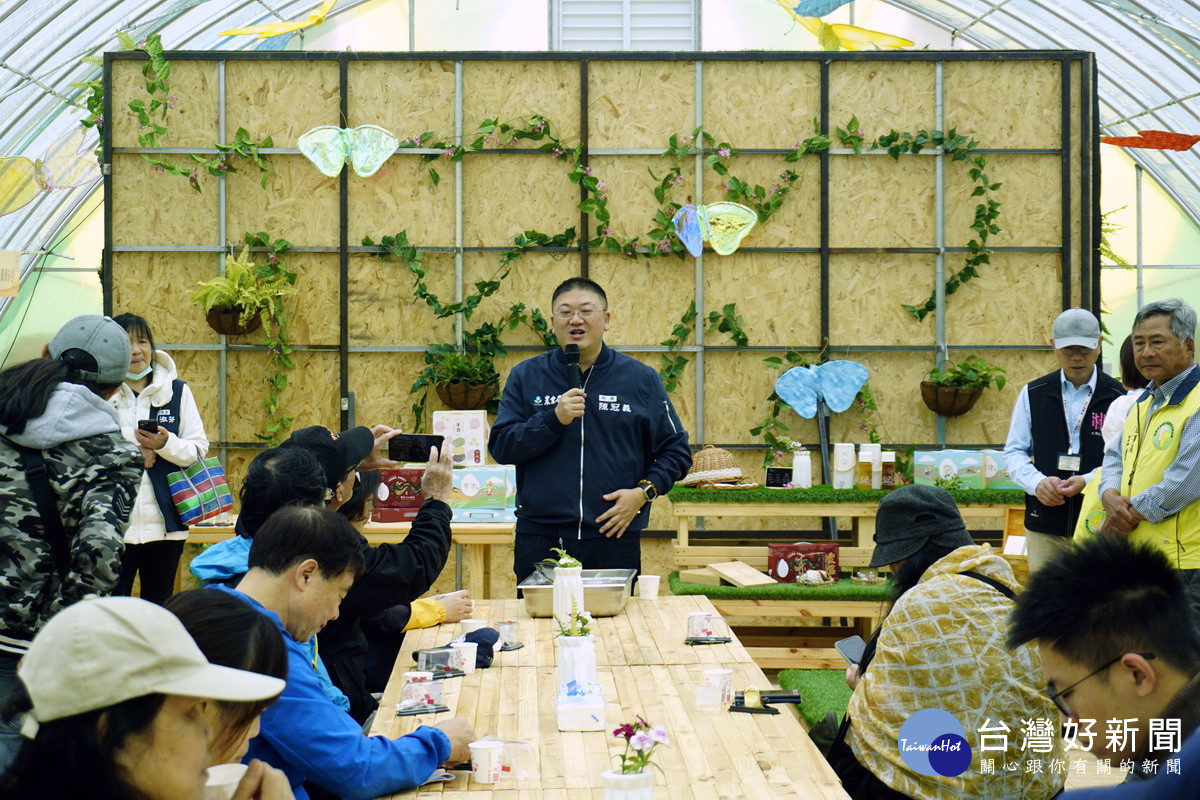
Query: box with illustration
(929,466)
(479,495)
(467,432)
(995,474)
(399,495)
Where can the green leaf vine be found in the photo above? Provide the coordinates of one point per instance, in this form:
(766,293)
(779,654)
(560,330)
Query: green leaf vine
(959,148)
(152,124)
(727,320)
(278,346)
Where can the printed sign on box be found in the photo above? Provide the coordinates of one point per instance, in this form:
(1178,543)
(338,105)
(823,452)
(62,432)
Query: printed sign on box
(995,474)
(399,495)
(785,561)
(931,465)
(479,495)
(467,432)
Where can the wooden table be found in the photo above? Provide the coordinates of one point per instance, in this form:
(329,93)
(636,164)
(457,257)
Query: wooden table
(645,669)
(476,540)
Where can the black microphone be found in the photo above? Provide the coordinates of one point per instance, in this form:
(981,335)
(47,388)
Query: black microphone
(571,351)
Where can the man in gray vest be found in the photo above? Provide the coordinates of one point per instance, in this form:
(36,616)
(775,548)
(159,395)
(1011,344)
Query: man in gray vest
(1054,441)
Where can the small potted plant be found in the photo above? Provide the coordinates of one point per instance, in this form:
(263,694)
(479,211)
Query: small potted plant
(954,389)
(234,302)
(632,780)
(461,379)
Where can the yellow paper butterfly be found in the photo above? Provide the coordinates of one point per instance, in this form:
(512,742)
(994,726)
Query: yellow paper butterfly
(278,28)
(67,163)
(837,36)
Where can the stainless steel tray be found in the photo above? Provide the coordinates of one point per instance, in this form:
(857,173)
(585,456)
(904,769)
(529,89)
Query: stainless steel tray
(605,592)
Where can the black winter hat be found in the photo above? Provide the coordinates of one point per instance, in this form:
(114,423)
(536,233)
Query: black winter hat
(913,515)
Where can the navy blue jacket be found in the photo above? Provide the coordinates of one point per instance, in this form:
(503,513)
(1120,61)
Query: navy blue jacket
(629,432)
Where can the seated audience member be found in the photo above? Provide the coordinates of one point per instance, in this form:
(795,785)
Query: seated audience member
(1113,625)
(384,630)
(302,565)
(393,573)
(54,414)
(1177,784)
(113,692)
(941,646)
(232,634)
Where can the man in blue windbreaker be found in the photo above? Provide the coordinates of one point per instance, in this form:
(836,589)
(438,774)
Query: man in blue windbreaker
(590,457)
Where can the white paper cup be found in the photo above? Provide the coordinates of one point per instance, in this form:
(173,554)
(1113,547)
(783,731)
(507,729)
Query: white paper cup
(700,624)
(468,625)
(723,680)
(223,780)
(707,697)
(419,686)
(487,761)
(648,586)
(464,655)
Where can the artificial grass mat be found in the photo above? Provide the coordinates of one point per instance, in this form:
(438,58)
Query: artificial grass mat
(827,494)
(822,690)
(842,590)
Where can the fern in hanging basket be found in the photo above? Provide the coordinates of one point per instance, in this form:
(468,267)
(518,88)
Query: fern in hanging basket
(247,287)
(955,388)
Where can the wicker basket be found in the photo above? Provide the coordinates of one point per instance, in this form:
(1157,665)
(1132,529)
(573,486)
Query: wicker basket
(713,465)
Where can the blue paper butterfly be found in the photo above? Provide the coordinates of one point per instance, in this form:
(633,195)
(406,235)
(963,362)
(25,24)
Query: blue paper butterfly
(835,382)
(722,224)
(818,8)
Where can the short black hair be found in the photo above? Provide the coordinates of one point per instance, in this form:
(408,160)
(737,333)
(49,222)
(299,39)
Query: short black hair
(231,633)
(581,285)
(297,533)
(138,326)
(1104,597)
(278,478)
(356,508)
(1131,376)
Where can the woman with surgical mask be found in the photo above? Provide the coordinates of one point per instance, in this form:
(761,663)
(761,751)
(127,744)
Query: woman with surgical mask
(157,413)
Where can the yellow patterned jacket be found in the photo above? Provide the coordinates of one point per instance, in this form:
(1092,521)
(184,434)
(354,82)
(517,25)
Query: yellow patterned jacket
(942,646)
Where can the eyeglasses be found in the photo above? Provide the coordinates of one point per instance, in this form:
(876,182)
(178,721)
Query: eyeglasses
(1060,697)
(583,313)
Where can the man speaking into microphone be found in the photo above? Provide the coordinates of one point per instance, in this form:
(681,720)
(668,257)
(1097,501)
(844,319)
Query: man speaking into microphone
(594,439)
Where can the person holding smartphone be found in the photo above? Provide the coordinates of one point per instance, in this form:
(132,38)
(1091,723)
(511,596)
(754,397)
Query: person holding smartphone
(158,413)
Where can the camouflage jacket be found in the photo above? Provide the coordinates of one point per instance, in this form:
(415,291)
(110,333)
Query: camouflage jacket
(95,479)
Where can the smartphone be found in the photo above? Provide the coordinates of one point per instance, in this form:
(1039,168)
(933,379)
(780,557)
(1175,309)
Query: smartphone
(148,425)
(852,649)
(413,446)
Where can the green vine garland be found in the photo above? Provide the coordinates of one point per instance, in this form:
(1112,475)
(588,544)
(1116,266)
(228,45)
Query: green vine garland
(278,346)
(727,320)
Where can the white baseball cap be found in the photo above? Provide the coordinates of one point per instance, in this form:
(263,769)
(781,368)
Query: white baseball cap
(1076,327)
(103,651)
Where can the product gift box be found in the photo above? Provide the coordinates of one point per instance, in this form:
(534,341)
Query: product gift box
(967,465)
(399,495)
(480,494)
(995,474)
(467,432)
(784,561)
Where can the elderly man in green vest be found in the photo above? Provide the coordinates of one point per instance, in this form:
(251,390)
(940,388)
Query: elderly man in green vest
(1150,483)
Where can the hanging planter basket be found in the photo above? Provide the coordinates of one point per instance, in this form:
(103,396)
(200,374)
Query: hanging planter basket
(949,401)
(226,321)
(465,396)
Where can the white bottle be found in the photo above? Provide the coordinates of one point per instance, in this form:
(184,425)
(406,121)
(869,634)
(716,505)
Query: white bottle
(801,469)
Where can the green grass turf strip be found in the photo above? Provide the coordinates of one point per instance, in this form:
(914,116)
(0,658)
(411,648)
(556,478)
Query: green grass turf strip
(827,494)
(822,690)
(842,590)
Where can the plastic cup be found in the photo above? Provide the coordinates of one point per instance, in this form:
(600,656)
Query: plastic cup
(468,625)
(508,632)
(487,761)
(723,680)
(648,586)
(417,686)
(464,655)
(707,696)
(699,625)
(223,780)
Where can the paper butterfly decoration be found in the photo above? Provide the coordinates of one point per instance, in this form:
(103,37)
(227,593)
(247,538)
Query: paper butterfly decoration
(278,28)
(365,147)
(836,36)
(67,163)
(723,225)
(835,382)
(818,8)
(1154,140)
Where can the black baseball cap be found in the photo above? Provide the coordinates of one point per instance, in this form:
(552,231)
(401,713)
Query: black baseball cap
(338,452)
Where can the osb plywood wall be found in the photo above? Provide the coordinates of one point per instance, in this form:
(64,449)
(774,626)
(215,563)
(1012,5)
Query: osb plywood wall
(875,202)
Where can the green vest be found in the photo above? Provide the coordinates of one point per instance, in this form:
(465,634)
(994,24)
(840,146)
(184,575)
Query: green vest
(1142,466)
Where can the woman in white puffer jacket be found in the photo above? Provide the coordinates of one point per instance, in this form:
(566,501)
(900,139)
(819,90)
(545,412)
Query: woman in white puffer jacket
(152,391)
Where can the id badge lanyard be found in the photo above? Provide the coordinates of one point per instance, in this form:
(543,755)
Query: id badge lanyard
(1073,429)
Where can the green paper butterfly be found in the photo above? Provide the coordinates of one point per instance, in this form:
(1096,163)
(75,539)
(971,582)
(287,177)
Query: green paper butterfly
(366,148)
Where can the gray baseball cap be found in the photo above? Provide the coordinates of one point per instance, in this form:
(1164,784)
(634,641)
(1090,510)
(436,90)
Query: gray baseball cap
(102,339)
(1076,327)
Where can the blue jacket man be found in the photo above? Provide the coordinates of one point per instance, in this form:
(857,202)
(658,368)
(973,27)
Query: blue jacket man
(591,457)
